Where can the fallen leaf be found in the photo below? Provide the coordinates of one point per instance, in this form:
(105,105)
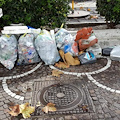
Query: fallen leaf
(88,9)
(26,110)
(56,73)
(50,104)
(14,110)
(81,8)
(85,109)
(93,17)
(50,107)
(45,109)
(61,65)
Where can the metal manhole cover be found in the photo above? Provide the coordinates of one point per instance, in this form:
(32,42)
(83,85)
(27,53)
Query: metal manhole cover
(65,96)
(69,97)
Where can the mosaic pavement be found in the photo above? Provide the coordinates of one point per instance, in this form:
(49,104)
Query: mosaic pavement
(102,80)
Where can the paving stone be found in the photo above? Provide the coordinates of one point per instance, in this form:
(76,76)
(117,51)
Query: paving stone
(1,103)
(107,115)
(101,116)
(115,118)
(117,105)
(61,118)
(94,98)
(3,116)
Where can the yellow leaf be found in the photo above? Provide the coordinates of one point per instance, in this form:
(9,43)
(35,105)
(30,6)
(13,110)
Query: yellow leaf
(45,109)
(50,107)
(81,8)
(26,110)
(88,9)
(56,73)
(26,113)
(61,65)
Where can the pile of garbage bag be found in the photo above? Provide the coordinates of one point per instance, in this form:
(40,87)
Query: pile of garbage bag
(60,49)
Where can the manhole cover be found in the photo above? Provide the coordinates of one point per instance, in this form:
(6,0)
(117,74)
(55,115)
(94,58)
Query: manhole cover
(65,97)
(69,97)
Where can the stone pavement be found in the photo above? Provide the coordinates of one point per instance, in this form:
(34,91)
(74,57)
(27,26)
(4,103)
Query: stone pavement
(102,80)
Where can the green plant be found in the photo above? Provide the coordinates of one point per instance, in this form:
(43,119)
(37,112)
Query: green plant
(35,13)
(111,10)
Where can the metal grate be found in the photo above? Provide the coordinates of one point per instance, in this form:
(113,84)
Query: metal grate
(69,98)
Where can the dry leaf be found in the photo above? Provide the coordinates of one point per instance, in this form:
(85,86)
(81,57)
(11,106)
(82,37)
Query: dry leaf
(93,17)
(50,104)
(45,109)
(81,8)
(61,65)
(88,9)
(85,109)
(14,110)
(50,107)
(26,110)
(56,73)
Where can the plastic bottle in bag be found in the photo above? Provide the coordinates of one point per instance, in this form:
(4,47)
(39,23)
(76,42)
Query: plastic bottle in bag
(8,51)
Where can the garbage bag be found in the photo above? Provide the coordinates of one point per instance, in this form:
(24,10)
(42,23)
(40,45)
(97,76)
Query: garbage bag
(46,47)
(63,37)
(87,57)
(72,48)
(26,50)
(8,51)
(84,33)
(115,53)
(86,43)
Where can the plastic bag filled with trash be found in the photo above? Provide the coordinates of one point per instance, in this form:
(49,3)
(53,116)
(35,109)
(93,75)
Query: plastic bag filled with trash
(46,47)
(63,37)
(27,53)
(8,51)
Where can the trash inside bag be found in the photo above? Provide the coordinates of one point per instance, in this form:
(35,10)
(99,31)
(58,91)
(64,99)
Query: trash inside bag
(115,53)
(8,51)
(86,43)
(84,33)
(46,47)
(26,50)
(97,50)
(63,37)
(72,48)
(87,57)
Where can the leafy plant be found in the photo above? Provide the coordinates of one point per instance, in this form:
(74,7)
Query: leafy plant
(35,13)
(111,10)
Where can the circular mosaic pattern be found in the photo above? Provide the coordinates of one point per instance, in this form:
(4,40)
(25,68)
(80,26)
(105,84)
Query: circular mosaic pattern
(100,63)
(16,70)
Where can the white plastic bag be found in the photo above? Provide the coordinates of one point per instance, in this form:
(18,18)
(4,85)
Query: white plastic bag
(46,47)
(26,50)
(63,37)
(8,51)
(115,53)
